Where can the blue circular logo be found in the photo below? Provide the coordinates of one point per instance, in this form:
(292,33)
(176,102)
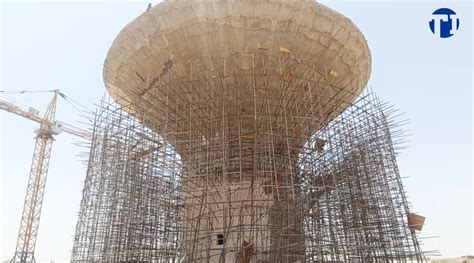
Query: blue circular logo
(445,23)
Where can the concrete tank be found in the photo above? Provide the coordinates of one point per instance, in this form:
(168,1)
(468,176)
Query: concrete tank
(237,87)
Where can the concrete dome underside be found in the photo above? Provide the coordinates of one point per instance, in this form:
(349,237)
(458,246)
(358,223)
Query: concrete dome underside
(179,64)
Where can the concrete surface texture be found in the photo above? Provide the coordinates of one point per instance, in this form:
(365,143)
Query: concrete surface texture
(181,41)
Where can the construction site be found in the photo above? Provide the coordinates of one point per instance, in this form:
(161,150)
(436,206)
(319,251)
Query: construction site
(235,131)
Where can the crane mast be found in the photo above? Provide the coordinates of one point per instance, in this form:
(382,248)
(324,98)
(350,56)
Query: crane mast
(25,245)
(26,241)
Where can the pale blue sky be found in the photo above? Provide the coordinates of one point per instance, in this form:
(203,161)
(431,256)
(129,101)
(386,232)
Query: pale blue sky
(53,45)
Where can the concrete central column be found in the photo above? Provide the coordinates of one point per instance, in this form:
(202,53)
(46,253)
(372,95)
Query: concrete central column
(243,211)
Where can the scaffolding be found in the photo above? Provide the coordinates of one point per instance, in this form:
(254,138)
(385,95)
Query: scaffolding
(129,209)
(246,183)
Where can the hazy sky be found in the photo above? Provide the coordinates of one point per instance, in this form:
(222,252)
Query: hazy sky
(53,45)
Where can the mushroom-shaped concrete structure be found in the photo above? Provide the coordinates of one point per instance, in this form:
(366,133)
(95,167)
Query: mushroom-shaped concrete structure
(238,87)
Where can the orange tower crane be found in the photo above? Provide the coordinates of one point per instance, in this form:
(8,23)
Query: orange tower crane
(25,246)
